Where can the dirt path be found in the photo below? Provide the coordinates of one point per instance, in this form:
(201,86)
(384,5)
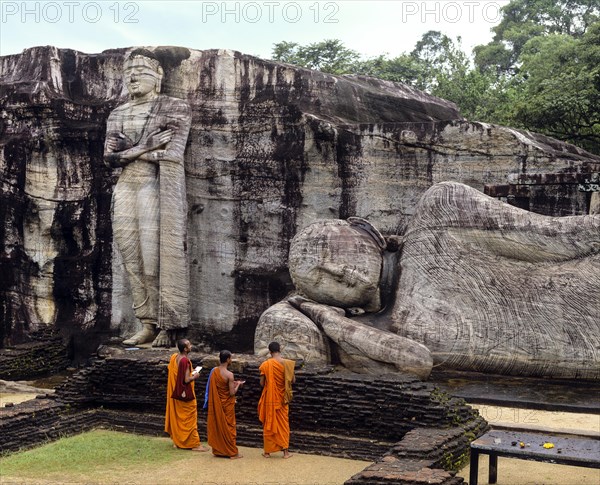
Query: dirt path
(205,469)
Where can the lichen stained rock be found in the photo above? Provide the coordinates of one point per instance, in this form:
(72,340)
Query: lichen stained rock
(272,148)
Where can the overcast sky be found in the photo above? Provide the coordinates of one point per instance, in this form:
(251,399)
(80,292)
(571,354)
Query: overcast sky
(252,27)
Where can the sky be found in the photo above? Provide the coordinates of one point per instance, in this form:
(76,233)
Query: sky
(371,28)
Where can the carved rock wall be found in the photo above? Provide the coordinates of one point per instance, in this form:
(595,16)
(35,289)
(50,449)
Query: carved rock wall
(272,148)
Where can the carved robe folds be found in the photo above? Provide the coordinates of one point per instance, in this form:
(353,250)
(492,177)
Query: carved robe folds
(150,214)
(481,286)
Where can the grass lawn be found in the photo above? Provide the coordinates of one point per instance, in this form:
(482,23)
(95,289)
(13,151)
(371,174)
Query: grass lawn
(90,457)
(105,457)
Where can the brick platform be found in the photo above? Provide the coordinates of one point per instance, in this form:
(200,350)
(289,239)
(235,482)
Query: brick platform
(412,430)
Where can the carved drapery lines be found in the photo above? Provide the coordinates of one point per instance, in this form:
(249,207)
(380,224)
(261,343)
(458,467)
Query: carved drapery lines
(147,137)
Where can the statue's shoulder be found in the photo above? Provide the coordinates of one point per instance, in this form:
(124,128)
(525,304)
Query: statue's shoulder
(121,108)
(123,105)
(172,101)
(173,107)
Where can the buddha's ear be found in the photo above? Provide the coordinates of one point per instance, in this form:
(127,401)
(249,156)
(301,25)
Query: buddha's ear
(369,228)
(161,73)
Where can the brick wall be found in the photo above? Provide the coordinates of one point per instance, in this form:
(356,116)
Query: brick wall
(33,359)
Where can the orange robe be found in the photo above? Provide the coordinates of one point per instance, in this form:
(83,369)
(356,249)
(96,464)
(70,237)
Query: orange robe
(181,417)
(272,411)
(221,417)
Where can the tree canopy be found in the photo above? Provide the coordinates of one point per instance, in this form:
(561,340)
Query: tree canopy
(523,20)
(327,56)
(540,72)
(560,87)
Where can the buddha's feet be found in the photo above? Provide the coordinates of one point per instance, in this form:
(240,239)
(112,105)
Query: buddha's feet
(163,339)
(145,335)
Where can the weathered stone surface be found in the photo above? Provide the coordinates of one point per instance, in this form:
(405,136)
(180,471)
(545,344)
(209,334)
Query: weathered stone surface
(361,348)
(315,270)
(146,139)
(483,285)
(33,359)
(302,338)
(21,387)
(391,470)
(490,287)
(272,148)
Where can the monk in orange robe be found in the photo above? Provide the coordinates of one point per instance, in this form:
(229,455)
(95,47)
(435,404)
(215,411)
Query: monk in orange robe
(181,416)
(276,377)
(220,422)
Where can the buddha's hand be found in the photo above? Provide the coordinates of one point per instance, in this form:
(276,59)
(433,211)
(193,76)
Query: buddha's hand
(117,142)
(159,138)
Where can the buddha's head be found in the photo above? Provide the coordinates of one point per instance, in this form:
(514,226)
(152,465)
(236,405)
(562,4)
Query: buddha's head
(339,263)
(143,74)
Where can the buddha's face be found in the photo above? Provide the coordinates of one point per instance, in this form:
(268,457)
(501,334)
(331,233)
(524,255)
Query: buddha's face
(141,78)
(337,265)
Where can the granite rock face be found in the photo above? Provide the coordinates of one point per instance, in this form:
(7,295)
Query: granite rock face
(271,149)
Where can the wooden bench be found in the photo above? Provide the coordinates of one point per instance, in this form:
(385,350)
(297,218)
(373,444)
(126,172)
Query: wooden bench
(568,450)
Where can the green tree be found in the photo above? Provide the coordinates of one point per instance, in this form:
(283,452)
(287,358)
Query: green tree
(442,60)
(286,52)
(404,69)
(545,58)
(327,56)
(524,19)
(541,72)
(437,65)
(333,57)
(560,87)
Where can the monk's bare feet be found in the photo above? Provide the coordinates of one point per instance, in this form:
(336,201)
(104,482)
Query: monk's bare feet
(286,454)
(145,335)
(267,455)
(163,339)
(236,457)
(200,448)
